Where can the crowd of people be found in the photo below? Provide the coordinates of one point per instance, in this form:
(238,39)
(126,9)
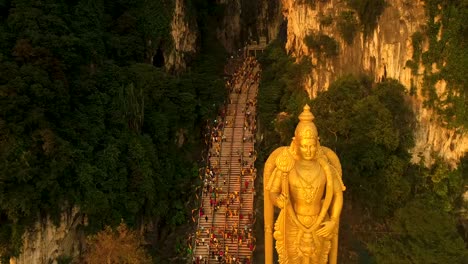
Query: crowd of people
(230,240)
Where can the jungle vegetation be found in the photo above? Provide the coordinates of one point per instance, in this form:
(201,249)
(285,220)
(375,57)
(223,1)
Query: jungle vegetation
(86,120)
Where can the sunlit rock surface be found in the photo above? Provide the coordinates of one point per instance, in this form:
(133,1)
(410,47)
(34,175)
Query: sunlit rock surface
(383,54)
(45,242)
(184,33)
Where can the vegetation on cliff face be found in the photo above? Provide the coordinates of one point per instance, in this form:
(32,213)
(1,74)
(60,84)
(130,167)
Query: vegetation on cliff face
(425,226)
(86,122)
(368,12)
(446,59)
(424,230)
(322,45)
(371,130)
(279,92)
(369,125)
(116,246)
(348,26)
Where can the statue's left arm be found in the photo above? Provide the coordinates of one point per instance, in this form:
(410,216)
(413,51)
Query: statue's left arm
(338,186)
(335,212)
(337,202)
(328,226)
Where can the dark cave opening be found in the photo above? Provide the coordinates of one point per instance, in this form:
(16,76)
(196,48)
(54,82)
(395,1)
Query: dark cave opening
(158,59)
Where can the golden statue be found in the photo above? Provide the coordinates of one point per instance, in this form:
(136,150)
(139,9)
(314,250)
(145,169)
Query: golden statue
(304,181)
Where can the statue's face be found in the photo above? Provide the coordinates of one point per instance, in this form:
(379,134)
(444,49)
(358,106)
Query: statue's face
(308,148)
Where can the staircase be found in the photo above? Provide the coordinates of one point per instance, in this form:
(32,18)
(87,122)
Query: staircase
(224,232)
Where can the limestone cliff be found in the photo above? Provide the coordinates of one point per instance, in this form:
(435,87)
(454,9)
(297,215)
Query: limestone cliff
(229,30)
(382,54)
(269,19)
(184,34)
(244,21)
(46,242)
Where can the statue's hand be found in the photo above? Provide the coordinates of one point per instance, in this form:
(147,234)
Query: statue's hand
(327,229)
(281,201)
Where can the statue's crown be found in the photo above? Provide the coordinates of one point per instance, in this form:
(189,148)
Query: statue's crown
(306,115)
(306,128)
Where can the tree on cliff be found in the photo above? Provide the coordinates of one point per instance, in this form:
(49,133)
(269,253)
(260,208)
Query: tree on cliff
(120,246)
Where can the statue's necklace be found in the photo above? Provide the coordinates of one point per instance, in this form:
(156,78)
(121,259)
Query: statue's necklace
(308,190)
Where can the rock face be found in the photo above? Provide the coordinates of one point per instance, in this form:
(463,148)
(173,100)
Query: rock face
(245,21)
(229,30)
(383,54)
(241,22)
(45,242)
(184,34)
(269,19)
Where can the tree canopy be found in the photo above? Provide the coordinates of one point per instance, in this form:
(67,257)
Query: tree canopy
(370,128)
(86,121)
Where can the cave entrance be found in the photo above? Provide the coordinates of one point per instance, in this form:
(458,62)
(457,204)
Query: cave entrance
(158,59)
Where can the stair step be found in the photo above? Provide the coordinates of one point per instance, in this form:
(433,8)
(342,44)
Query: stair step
(228,164)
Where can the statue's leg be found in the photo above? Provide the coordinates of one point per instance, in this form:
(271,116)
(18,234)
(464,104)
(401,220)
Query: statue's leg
(292,243)
(279,238)
(286,244)
(326,246)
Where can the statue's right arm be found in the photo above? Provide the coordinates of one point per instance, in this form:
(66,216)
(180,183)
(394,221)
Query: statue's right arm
(275,189)
(278,199)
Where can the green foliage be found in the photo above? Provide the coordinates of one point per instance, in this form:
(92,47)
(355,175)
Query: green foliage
(368,12)
(413,66)
(11,240)
(370,129)
(420,233)
(347,26)
(322,44)
(154,19)
(441,184)
(62,259)
(85,122)
(325,20)
(448,51)
(424,229)
(416,41)
(279,92)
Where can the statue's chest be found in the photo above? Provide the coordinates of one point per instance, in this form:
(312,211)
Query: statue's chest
(307,184)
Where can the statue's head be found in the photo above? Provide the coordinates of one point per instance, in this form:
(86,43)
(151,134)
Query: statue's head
(306,136)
